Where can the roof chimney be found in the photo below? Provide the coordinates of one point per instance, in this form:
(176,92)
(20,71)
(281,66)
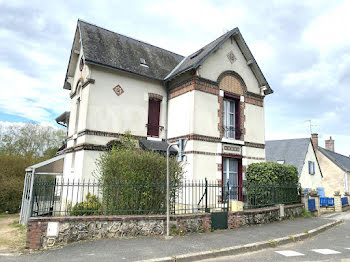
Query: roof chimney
(315,141)
(330,144)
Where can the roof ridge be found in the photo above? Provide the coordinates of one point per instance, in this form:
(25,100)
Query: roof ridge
(288,139)
(334,152)
(142,42)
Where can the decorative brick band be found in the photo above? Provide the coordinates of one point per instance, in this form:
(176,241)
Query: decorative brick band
(255,158)
(102,133)
(89,147)
(255,145)
(196,137)
(213,139)
(254,99)
(195,83)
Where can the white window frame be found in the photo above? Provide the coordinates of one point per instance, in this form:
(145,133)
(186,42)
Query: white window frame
(228,127)
(226,176)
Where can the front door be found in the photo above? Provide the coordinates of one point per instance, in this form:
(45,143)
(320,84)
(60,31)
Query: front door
(232,177)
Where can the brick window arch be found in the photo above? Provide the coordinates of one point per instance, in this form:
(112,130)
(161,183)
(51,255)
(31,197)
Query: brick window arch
(232,82)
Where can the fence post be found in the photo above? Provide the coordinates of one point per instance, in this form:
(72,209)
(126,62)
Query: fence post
(337,203)
(317,203)
(304,200)
(206,196)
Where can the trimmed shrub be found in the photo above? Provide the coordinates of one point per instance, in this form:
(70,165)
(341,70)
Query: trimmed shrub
(134,180)
(270,183)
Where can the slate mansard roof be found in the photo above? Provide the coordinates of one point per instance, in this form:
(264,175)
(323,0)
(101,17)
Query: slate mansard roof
(106,48)
(341,161)
(103,47)
(292,151)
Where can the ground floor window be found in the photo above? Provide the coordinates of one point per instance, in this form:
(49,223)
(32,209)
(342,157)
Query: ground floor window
(232,176)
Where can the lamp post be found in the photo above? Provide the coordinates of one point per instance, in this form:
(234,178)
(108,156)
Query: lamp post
(181,144)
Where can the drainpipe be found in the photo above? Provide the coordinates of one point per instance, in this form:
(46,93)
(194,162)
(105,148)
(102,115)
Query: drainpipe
(166,110)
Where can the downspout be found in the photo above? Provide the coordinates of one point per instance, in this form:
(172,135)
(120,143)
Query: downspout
(166,110)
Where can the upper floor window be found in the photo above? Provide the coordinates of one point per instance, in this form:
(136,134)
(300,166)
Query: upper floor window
(311,167)
(231,119)
(153,117)
(77,115)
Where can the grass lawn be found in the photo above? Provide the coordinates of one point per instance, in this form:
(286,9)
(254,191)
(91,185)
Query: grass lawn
(12,234)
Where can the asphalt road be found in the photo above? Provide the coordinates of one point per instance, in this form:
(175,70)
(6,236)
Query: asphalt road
(332,245)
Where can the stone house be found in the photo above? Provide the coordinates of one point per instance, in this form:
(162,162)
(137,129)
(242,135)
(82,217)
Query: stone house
(214,98)
(335,167)
(301,154)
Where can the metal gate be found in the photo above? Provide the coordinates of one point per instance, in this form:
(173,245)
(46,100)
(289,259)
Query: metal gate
(219,220)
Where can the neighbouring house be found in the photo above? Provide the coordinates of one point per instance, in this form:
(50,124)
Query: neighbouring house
(214,98)
(335,167)
(301,154)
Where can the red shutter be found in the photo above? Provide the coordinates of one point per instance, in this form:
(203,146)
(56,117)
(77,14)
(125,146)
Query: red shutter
(238,119)
(153,118)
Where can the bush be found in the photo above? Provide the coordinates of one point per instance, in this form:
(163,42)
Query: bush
(270,183)
(134,180)
(12,173)
(91,206)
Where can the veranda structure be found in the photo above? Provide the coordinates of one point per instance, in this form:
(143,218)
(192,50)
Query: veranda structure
(48,170)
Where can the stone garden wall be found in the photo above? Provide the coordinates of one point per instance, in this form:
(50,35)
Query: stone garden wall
(47,232)
(263,215)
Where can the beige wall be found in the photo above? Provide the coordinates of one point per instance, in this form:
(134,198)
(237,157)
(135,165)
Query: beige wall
(206,118)
(333,176)
(180,112)
(218,63)
(305,179)
(254,124)
(129,111)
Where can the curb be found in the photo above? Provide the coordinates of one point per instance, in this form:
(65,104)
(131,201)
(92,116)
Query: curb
(235,250)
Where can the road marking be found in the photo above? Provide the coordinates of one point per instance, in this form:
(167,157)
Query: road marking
(289,253)
(347,248)
(325,251)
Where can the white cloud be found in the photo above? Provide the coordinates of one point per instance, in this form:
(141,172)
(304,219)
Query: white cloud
(330,30)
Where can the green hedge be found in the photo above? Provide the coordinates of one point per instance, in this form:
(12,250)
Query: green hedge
(270,183)
(134,180)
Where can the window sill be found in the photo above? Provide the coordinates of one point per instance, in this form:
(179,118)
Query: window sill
(154,138)
(232,141)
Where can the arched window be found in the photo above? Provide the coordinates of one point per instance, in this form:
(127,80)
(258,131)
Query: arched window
(233,86)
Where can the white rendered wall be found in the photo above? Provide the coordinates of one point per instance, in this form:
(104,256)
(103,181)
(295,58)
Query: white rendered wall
(218,62)
(206,118)
(181,112)
(306,180)
(129,111)
(254,124)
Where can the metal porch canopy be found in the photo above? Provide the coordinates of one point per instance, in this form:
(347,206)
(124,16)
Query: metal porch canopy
(51,167)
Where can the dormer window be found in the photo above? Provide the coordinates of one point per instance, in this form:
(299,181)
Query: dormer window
(143,62)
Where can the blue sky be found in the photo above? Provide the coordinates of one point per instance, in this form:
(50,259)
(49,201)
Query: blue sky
(303,48)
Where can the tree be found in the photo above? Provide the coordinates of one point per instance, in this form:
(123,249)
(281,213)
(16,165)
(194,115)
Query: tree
(30,139)
(20,147)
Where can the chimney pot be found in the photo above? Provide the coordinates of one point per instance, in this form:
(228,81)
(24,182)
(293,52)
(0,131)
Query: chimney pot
(330,144)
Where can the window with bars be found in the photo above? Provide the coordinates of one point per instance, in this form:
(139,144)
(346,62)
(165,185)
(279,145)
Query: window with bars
(231,119)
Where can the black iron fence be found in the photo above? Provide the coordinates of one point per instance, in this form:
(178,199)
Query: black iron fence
(71,197)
